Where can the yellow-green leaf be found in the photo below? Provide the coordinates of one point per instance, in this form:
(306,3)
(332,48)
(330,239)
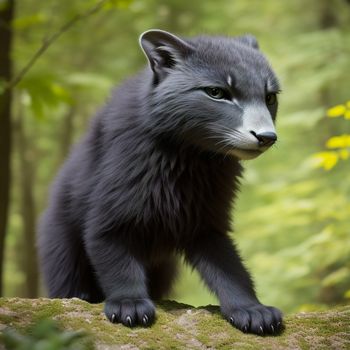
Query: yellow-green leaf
(326,160)
(341,141)
(336,111)
(344,154)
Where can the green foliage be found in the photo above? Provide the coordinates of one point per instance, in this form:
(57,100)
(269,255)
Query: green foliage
(44,335)
(42,92)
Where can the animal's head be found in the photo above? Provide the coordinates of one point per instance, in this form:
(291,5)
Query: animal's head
(218,93)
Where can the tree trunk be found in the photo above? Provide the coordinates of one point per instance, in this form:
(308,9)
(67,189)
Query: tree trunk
(6,17)
(26,173)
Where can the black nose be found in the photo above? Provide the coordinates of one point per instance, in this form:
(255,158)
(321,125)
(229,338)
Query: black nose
(265,138)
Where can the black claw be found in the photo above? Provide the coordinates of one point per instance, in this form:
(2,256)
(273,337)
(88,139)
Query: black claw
(128,321)
(245,329)
(232,320)
(145,320)
(113,318)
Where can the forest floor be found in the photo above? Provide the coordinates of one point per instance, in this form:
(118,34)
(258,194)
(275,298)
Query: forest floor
(178,326)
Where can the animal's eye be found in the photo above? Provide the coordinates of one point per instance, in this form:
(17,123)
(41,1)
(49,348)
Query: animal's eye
(271,99)
(215,92)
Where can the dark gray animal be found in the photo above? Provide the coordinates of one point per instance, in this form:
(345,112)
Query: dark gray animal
(156,176)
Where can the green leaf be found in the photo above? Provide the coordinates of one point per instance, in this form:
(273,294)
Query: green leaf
(119,4)
(26,22)
(336,277)
(45,91)
(89,81)
(305,118)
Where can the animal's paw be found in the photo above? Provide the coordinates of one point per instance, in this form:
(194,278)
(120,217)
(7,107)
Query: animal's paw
(130,312)
(258,319)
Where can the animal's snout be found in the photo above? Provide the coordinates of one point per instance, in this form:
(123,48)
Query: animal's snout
(265,139)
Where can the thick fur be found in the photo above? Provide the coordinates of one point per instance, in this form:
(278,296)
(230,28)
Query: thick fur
(152,180)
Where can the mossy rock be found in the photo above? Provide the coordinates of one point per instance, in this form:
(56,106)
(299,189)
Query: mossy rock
(178,326)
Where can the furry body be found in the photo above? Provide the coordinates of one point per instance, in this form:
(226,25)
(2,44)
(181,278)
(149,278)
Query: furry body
(149,181)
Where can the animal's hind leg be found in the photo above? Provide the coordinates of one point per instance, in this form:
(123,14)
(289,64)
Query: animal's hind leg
(66,269)
(161,277)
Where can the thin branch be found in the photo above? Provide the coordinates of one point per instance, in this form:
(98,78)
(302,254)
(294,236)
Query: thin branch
(50,40)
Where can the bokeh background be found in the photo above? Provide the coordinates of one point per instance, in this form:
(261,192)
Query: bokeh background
(292,219)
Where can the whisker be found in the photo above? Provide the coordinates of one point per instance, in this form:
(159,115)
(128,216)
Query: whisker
(223,128)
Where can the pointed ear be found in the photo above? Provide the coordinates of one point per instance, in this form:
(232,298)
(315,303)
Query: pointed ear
(249,40)
(163,50)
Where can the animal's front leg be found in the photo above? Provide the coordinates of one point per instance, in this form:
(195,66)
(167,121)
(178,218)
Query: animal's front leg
(122,278)
(219,264)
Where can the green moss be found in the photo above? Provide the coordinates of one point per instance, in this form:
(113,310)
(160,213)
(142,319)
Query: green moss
(5,319)
(178,326)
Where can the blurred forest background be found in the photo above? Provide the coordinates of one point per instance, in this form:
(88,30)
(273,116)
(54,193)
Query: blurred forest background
(292,220)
